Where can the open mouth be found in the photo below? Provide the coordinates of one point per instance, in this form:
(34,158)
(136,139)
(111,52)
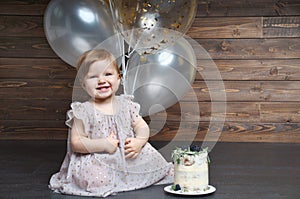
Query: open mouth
(103,88)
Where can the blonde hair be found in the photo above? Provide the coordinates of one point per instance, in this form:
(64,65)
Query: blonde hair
(89,57)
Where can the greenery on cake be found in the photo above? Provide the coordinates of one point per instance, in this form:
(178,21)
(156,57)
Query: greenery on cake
(175,187)
(194,150)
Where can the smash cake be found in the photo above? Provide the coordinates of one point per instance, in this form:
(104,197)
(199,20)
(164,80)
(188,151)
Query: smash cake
(190,169)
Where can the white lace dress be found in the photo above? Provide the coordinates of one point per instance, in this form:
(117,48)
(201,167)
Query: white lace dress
(102,174)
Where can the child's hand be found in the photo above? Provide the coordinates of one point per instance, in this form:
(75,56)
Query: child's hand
(112,143)
(133,147)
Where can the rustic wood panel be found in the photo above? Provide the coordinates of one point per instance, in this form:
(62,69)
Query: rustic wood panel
(245,27)
(194,111)
(56,109)
(279,70)
(213,27)
(255,46)
(33,129)
(40,93)
(33,109)
(287,112)
(36,89)
(235,90)
(217,48)
(247,8)
(231,132)
(24,68)
(205,7)
(23,7)
(281,27)
(26,26)
(11,68)
(245,91)
(23,47)
(278,48)
(254,112)
(229,27)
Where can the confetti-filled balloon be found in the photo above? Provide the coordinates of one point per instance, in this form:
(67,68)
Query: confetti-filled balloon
(146,24)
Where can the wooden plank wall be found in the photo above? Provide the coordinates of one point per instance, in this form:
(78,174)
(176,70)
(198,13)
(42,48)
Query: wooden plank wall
(255,45)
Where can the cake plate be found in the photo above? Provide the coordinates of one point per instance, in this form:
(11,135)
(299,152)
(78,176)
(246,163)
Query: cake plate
(210,189)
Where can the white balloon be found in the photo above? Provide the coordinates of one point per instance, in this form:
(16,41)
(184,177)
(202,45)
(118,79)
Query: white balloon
(162,78)
(73,27)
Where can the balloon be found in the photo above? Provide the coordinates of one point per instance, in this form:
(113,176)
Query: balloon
(159,80)
(73,27)
(152,25)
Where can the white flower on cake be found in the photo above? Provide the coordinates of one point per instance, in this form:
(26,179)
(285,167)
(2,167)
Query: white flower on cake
(191,169)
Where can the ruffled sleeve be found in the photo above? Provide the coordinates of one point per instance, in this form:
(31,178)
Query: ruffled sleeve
(77,110)
(134,107)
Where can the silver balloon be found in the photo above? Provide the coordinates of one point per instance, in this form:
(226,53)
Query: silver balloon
(159,80)
(73,27)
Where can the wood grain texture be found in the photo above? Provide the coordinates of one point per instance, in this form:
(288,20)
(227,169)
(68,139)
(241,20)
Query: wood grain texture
(243,91)
(206,111)
(217,48)
(258,91)
(231,132)
(281,27)
(252,48)
(273,70)
(247,8)
(287,112)
(23,7)
(226,27)
(36,89)
(25,47)
(29,26)
(33,129)
(205,8)
(245,27)
(253,112)
(31,109)
(213,27)
(279,48)
(35,68)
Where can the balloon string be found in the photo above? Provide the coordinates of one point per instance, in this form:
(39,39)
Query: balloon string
(132,34)
(111,6)
(124,68)
(135,78)
(130,50)
(121,42)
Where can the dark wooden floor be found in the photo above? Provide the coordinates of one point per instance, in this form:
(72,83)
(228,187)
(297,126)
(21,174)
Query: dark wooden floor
(237,170)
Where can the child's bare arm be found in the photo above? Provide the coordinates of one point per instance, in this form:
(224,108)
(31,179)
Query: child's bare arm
(133,146)
(141,129)
(80,143)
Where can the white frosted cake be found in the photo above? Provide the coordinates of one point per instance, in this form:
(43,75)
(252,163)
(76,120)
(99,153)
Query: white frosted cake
(190,169)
